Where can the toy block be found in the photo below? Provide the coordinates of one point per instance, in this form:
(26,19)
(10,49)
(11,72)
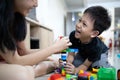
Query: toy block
(55,77)
(106,74)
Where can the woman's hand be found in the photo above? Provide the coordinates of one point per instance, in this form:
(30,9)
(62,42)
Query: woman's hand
(62,44)
(62,63)
(70,68)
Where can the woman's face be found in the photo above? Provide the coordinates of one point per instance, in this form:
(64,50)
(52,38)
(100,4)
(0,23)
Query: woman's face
(24,6)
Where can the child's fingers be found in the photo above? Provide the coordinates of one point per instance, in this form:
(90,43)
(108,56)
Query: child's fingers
(69,64)
(69,70)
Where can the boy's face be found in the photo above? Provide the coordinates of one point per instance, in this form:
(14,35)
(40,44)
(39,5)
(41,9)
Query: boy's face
(84,28)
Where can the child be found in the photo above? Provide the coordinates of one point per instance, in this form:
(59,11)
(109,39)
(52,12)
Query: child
(94,21)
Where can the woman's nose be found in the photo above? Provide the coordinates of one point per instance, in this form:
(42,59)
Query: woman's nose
(35,3)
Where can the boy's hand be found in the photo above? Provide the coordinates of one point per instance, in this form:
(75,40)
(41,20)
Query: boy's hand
(70,68)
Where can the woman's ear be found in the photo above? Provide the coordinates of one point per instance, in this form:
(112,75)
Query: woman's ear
(94,33)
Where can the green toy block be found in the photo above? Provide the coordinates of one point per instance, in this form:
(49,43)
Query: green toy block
(106,74)
(66,50)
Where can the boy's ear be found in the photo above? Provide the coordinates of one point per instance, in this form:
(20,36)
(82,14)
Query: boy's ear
(94,33)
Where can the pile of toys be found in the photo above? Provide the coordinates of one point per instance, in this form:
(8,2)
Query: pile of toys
(94,74)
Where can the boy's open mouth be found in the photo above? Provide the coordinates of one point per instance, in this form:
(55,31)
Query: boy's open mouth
(77,31)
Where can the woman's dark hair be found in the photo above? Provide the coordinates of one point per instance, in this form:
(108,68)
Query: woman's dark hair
(12,26)
(100,16)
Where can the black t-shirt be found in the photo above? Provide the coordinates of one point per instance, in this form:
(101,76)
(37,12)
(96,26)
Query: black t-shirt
(92,50)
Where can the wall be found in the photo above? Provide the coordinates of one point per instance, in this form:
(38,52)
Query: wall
(71,24)
(51,14)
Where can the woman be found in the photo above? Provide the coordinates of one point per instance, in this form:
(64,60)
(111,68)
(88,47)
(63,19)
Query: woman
(15,58)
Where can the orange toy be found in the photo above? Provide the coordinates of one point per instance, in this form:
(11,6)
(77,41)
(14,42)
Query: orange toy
(55,77)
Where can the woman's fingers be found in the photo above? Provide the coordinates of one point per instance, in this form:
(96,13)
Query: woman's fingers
(62,44)
(67,41)
(69,44)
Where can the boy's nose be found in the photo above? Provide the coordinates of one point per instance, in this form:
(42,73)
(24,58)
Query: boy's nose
(78,25)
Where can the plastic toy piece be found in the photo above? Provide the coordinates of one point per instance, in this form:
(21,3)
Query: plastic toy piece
(57,70)
(55,77)
(82,78)
(81,72)
(74,50)
(106,74)
(95,70)
(68,76)
(63,73)
(63,56)
(66,50)
(93,77)
(71,77)
(83,75)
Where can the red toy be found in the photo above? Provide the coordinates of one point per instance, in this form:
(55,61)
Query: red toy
(55,77)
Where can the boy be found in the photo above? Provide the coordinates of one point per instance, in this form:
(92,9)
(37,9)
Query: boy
(93,22)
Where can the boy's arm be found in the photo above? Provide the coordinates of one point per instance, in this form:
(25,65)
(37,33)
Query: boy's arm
(70,57)
(83,66)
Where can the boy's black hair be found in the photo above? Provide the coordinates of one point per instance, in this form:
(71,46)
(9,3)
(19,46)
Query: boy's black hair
(100,16)
(12,26)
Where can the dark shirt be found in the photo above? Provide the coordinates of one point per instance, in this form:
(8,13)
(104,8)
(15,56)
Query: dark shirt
(91,51)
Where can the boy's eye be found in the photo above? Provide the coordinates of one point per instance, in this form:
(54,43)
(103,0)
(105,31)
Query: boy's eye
(84,24)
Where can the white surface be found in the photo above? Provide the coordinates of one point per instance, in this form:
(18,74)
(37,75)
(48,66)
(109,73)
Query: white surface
(50,13)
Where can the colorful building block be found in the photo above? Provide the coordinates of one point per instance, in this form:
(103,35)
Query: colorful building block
(107,74)
(55,77)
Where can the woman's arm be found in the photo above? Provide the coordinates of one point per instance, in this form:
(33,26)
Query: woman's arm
(36,57)
(22,50)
